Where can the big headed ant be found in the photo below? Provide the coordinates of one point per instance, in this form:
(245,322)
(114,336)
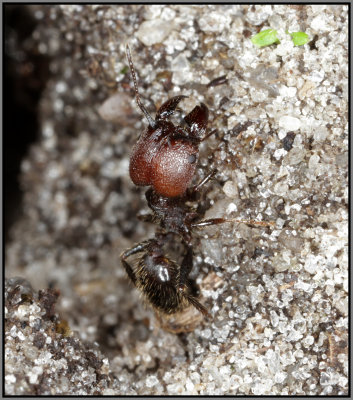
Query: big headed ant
(165,158)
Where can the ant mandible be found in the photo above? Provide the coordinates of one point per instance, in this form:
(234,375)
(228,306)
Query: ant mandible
(165,158)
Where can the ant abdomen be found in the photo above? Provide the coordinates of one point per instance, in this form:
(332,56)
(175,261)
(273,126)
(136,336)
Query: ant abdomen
(157,278)
(163,282)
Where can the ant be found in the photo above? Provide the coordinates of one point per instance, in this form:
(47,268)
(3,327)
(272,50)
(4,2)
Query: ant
(165,158)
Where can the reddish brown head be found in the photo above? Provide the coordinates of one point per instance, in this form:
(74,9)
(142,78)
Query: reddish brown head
(165,155)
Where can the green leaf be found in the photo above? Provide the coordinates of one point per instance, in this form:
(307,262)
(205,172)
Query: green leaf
(299,38)
(265,38)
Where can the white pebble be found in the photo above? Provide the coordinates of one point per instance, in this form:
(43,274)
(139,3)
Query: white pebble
(116,108)
(318,24)
(154,31)
(289,123)
(230,190)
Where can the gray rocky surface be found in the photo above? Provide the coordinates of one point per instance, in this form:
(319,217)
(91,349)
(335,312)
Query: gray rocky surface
(278,296)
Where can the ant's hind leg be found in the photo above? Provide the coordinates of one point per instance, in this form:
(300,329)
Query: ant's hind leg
(186,266)
(127,253)
(192,300)
(185,285)
(200,307)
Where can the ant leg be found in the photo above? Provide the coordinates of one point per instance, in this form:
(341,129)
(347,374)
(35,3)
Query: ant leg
(194,189)
(209,134)
(216,221)
(192,216)
(186,265)
(184,291)
(193,301)
(197,187)
(184,285)
(127,253)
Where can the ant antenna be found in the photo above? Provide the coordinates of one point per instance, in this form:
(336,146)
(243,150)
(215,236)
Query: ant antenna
(151,121)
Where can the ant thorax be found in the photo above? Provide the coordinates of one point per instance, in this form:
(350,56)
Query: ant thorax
(172,214)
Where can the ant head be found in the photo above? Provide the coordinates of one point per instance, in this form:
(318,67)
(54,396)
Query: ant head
(165,155)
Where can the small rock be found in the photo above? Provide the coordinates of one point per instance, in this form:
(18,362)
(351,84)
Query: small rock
(117,108)
(289,123)
(154,31)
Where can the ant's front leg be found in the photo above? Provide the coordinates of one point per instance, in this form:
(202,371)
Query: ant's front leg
(192,216)
(192,192)
(197,187)
(209,134)
(184,286)
(134,250)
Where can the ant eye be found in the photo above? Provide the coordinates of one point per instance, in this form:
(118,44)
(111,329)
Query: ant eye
(192,158)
